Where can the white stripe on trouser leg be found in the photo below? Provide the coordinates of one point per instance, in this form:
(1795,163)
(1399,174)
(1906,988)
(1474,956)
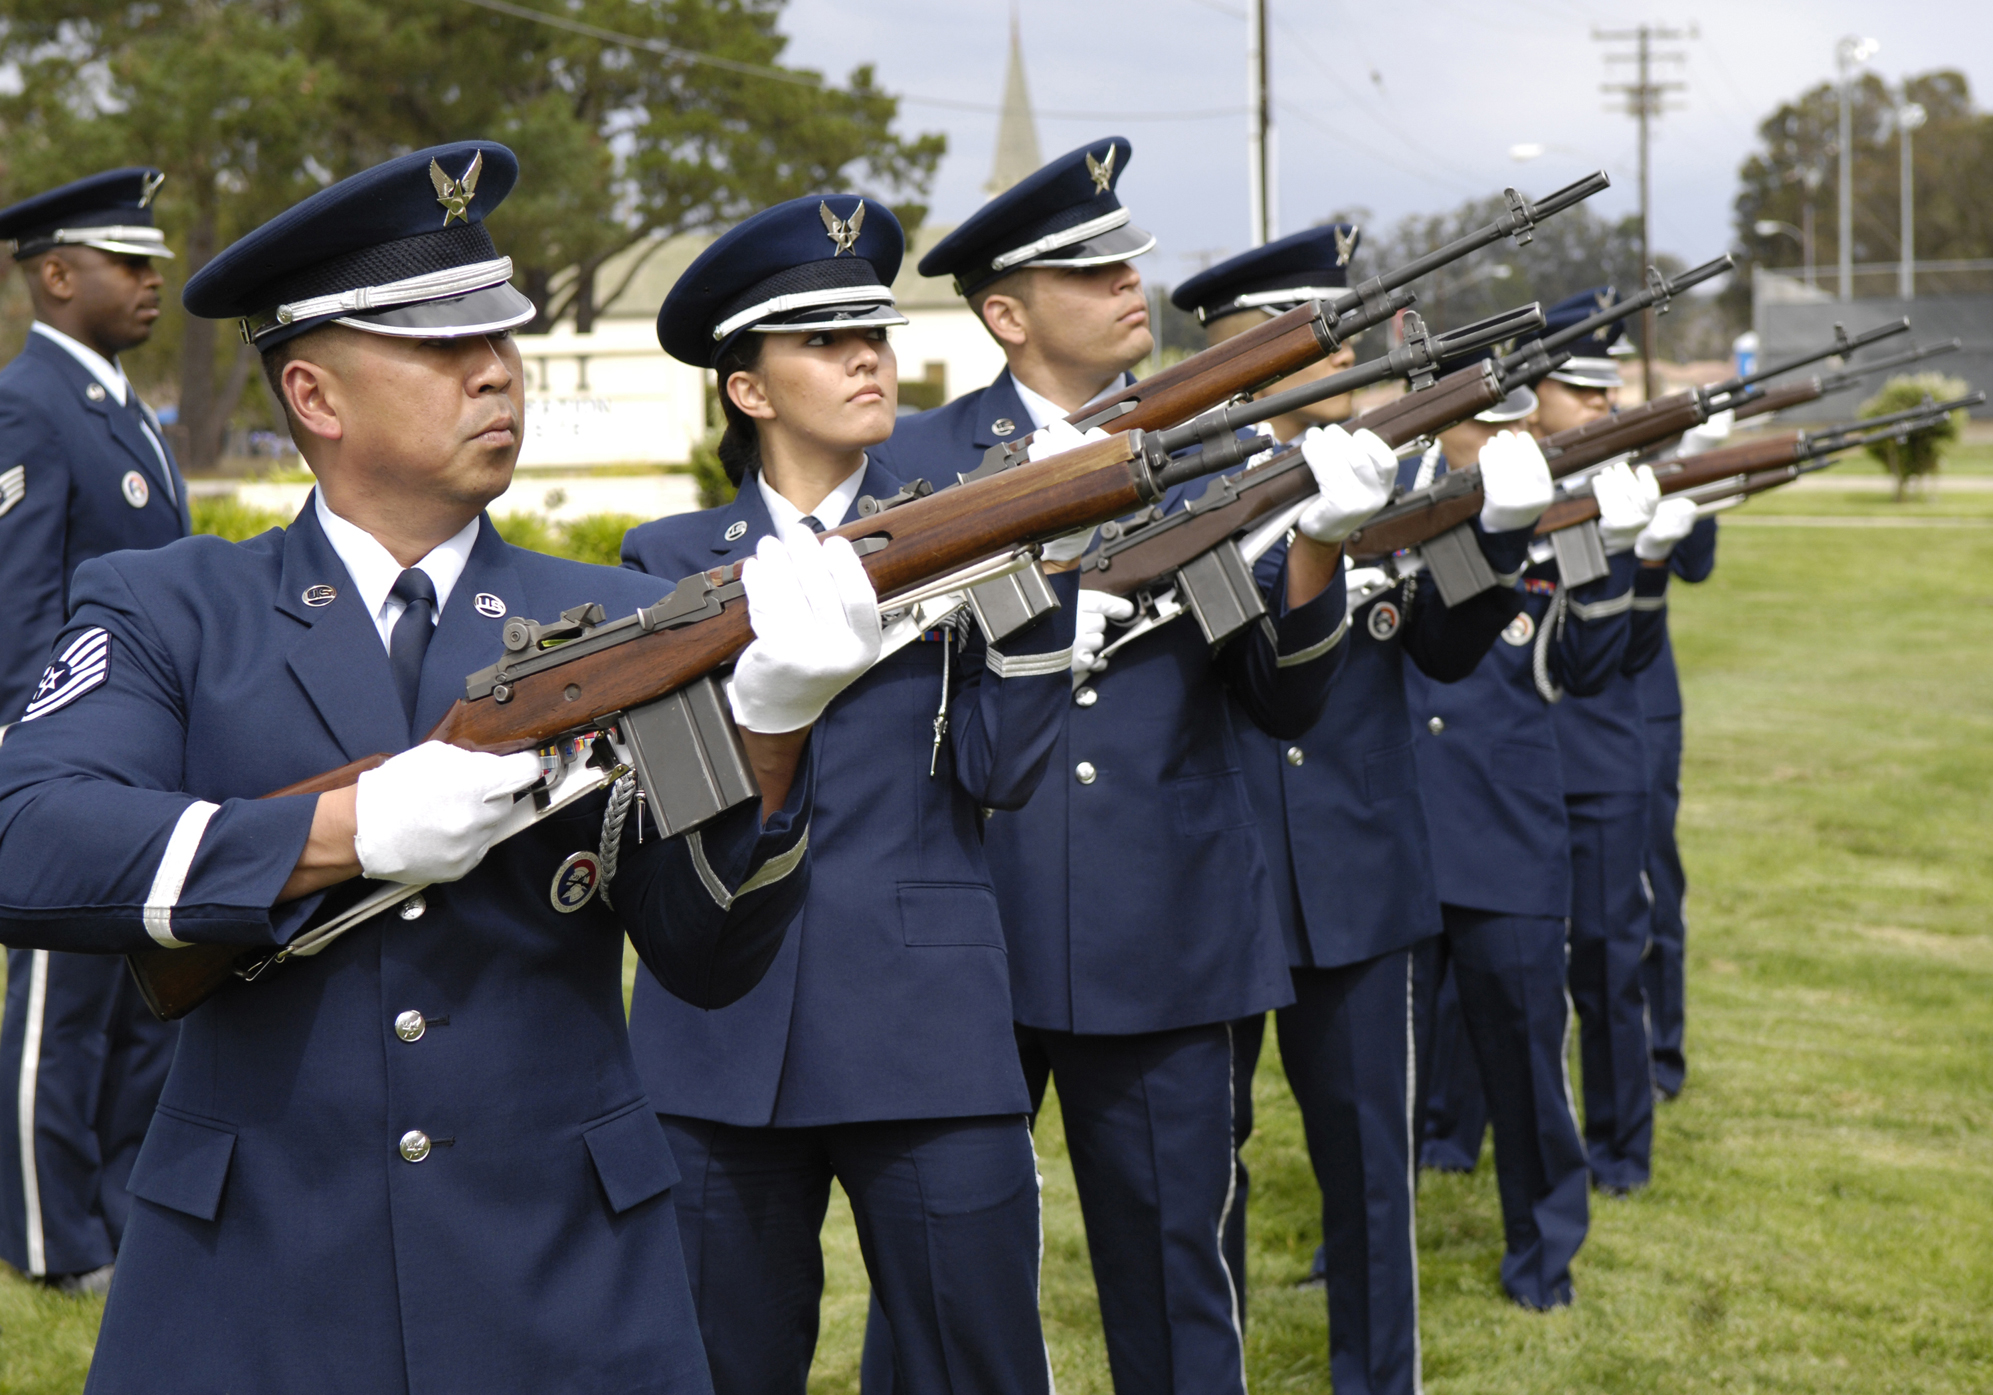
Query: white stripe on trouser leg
(1564,1054)
(171,877)
(1231,1195)
(31,1063)
(1038,1286)
(1412,1166)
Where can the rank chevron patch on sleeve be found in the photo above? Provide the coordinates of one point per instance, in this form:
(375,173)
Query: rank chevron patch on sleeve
(13,488)
(83,664)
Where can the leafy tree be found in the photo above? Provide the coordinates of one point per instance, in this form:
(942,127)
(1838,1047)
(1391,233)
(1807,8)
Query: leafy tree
(249,105)
(1918,454)
(1799,163)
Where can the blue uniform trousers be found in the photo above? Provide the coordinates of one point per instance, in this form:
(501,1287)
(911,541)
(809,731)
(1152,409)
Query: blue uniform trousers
(1449,1083)
(1511,972)
(1663,973)
(1609,918)
(947,1216)
(1347,1044)
(1149,1125)
(82,1062)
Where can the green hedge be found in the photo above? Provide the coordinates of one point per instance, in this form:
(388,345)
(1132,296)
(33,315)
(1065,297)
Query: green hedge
(596,537)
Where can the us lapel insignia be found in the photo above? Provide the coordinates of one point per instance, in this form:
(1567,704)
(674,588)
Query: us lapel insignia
(136,491)
(316,596)
(1101,171)
(488,604)
(1345,245)
(842,231)
(736,530)
(455,194)
(95,392)
(1003,426)
(576,881)
(150,186)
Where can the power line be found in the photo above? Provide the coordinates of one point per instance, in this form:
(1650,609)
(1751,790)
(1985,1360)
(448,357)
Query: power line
(799,79)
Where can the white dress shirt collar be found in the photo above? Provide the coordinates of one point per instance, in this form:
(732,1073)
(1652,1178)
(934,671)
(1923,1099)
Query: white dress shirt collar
(1044,411)
(110,374)
(830,512)
(374,569)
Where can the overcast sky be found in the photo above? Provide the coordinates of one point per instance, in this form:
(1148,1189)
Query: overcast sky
(1397,107)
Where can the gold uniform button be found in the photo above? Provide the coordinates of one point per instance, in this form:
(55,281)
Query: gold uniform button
(411,1025)
(1295,755)
(1086,697)
(1436,725)
(1085,773)
(414,1145)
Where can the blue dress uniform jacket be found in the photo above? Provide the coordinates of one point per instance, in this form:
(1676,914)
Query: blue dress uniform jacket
(282,1239)
(950,440)
(64,460)
(1135,890)
(1339,806)
(891,997)
(1487,747)
(1693,559)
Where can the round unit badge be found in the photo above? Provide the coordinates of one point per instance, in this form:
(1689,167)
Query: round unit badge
(1384,620)
(1521,630)
(575,882)
(488,604)
(137,491)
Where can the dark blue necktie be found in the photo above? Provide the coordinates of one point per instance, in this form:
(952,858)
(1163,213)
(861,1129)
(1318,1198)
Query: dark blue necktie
(410,640)
(809,521)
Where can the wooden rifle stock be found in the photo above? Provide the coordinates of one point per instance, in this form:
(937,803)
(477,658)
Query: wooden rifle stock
(901,546)
(1571,451)
(1779,398)
(1695,471)
(1264,489)
(1242,364)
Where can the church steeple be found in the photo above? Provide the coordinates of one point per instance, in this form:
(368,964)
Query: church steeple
(1017,131)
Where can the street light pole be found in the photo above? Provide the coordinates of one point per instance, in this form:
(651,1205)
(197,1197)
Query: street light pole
(1850,53)
(1909,117)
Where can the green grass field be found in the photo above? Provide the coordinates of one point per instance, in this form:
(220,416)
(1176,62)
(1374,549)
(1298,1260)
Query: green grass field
(1822,1213)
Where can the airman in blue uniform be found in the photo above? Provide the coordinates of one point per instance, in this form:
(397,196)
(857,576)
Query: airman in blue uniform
(85,469)
(1663,973)
(1136,900)
(878,1051)
(1601,741)
(1346,844)
(1492,784)
(422,1158)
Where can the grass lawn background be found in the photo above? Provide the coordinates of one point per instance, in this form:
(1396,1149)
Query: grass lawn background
(1822,1212)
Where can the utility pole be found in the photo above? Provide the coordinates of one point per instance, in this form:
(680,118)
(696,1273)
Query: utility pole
(1909,117)
(1259,126)
(1850,53)
(1645,100)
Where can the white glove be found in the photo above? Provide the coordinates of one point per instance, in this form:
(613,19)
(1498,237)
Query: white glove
(1059,436)
(1354,475)
(1672,520)
(430,814)
(1708,436)
(1090,628)
(816,629)
(1515,482)
(1051,440)
(1626,504)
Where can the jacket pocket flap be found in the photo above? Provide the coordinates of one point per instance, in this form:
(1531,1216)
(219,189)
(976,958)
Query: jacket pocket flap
(632,1157)
(182,1166)
(945,913)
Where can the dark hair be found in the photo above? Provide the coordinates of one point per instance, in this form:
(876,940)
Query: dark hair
(740,447)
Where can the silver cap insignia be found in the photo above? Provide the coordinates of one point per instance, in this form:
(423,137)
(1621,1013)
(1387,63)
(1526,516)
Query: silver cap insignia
(1102,171)
(455,194)
(842,231)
